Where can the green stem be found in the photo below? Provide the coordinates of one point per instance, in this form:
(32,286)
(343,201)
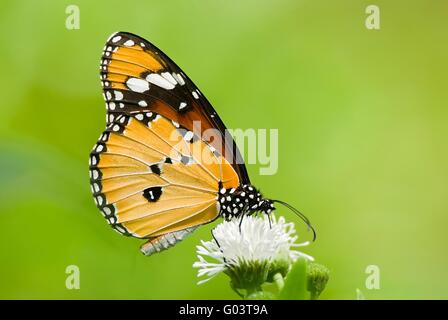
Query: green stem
(314,295)
(232,285)
(251,292)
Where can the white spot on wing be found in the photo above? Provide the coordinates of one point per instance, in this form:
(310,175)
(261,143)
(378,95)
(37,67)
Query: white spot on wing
(111,36)
(120,229)
(159,81)
(137,85)
(118,95)
(169,77)
(116,39)
(129,43)
(179,78)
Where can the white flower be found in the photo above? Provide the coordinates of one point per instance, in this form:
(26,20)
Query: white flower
(256,246)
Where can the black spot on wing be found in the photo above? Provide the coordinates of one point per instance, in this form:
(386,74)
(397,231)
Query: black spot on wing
(155,168)
(152,194)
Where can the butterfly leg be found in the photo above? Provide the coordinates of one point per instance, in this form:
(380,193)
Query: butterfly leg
(217,242)
(270,221)
(243,212)
(214,238)
(241,222)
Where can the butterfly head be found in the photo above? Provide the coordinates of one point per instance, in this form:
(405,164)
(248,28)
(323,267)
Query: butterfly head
(246,199)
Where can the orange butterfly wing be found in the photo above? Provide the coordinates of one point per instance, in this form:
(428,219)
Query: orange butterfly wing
(151,178)
(137,76)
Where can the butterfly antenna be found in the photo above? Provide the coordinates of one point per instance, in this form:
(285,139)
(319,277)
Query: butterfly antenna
(300,215)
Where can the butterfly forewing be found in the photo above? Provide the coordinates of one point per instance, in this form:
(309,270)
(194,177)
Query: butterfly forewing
(138,77)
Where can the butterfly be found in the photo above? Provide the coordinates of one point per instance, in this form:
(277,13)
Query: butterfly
(154,174)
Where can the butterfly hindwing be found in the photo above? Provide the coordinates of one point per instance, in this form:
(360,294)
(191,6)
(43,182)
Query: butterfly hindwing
(152,177)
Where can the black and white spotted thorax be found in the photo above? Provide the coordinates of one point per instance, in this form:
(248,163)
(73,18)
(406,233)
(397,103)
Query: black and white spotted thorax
(245,199)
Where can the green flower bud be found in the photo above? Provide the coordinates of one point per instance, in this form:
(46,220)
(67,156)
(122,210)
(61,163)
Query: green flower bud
(317,276)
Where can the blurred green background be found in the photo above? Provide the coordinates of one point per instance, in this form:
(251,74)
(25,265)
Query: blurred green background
(362,118)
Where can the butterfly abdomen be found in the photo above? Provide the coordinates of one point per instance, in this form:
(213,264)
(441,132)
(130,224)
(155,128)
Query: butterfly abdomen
(165,241)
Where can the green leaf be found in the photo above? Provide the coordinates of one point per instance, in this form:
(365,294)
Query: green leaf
(295,287)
